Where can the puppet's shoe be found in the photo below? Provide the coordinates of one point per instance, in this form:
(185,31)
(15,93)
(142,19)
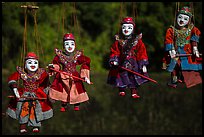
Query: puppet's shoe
(134,95)
(172,85)
(76,108)
(122,93)
(22,131)
(62,109)
(180,81)
(36,130)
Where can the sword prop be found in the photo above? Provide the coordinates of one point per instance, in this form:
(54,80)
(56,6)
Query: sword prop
(139,74)
(29,98)
(184,55)
(69,75)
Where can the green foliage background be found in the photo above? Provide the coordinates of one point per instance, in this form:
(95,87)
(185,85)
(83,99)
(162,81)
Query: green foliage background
(94,24)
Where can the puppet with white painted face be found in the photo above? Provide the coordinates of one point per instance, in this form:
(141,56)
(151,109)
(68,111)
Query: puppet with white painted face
(31,65)
(128,51)
(67,87)
(69,46)
(182,58)
(30,104)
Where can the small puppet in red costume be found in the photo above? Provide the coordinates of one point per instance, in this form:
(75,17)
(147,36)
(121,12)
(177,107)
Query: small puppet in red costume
(66,86)
(128,51)
(30,104)
(182,58)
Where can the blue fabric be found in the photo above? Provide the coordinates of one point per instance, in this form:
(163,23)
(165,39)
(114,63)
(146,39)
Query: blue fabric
(185,65)
(172,65)
(127,79)
(195,38)
(169,47)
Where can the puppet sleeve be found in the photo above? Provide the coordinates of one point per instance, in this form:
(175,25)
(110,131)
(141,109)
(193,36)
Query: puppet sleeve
(84,61)
(168,42)
(12,80)
(142,57)
(114,52)
(56,63)
(195,34)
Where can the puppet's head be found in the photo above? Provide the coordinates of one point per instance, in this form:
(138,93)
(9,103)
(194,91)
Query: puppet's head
(128,26)
(184,17)
(69,42)
(31,62)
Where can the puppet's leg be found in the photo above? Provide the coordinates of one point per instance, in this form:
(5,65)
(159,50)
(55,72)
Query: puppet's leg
(134,93)
(23,128)
(121,91)
(173,81)
(76,106)
(63,106)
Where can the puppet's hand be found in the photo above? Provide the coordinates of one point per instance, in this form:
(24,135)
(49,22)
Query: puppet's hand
(127,65)
(50,67)
(144,69)
(87,80)
(114,64)
(195,51)
(172,53)
(15,90)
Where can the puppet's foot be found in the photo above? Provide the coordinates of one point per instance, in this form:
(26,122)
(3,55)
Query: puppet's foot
(134,93)
(23,128)
(22,131)
(135,96)
(172,85)
(76,108)
(180,81)
(36,130)
(122,93)
(62,109)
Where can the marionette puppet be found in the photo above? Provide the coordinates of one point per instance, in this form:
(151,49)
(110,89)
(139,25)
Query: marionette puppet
(30,105)
(182,58)
(67,85)
(128,60)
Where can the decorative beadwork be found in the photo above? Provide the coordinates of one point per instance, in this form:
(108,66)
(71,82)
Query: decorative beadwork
(181,35)
(30,79)
(69,62)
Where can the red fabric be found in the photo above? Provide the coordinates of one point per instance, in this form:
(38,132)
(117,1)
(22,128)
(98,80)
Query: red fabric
(128,20)
(68,36)
(43,82)
(191,78)
(15,76)
(82,60)
(31,55)
(187,48)
(140,49)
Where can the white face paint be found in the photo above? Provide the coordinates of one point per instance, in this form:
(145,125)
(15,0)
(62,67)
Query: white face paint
(69,45)
(182,20)
(127,29)
(31,65)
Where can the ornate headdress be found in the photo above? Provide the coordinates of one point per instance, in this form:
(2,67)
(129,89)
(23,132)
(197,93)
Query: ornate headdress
(186,10)
(31,55)
(128,20)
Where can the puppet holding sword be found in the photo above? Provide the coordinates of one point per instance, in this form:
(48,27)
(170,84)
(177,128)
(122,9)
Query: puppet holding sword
(182,58)
(67,85)
(30,104)
(128,60)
